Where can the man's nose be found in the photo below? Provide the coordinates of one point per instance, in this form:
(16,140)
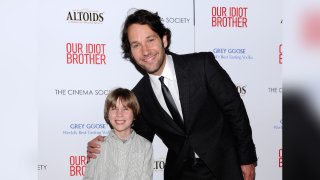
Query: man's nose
(145,49)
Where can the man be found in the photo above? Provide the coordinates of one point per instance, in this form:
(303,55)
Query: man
(194,108)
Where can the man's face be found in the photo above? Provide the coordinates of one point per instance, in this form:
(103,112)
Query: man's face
(147,48)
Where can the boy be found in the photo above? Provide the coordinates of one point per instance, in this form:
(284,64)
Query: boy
(124,154)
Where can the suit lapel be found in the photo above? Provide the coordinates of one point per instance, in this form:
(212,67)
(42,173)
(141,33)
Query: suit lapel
(182,80)
(167,118)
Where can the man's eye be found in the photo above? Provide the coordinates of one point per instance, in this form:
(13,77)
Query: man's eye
(135,46)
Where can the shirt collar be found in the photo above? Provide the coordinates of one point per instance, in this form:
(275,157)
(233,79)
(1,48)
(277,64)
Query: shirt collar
(168,71)
(114,136)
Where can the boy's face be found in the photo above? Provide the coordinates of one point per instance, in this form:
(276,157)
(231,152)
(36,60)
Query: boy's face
(121,118)
(147,48)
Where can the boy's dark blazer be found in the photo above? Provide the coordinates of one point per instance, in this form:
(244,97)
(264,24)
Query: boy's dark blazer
(216,122)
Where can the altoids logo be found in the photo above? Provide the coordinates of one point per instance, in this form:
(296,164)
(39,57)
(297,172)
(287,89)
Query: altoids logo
(85,16)
(158,164)
(242,89)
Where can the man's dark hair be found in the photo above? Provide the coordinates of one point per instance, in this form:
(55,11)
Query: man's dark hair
(143,17)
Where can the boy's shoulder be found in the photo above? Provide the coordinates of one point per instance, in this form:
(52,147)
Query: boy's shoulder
(141,139)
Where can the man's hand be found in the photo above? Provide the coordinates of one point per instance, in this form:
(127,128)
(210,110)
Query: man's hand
(248,171)
(94,147)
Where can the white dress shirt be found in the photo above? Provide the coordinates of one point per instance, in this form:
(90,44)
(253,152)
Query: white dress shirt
(170,81)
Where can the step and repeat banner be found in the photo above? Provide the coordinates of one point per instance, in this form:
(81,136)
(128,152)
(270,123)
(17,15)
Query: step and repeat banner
(79,61)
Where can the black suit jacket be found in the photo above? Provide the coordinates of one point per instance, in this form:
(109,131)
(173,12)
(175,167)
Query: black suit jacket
(216,123)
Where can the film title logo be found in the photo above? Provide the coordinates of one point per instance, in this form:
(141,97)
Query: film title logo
(280,54)
(85,16)
(78,53)
(229,17)
(280,158)
(310,27)
(77,165)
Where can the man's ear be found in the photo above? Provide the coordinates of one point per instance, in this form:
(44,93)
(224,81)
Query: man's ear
(165,41)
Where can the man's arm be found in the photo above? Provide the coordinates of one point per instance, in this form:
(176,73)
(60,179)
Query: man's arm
(230,102)
(140,126)
(248,171)
(93,147)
